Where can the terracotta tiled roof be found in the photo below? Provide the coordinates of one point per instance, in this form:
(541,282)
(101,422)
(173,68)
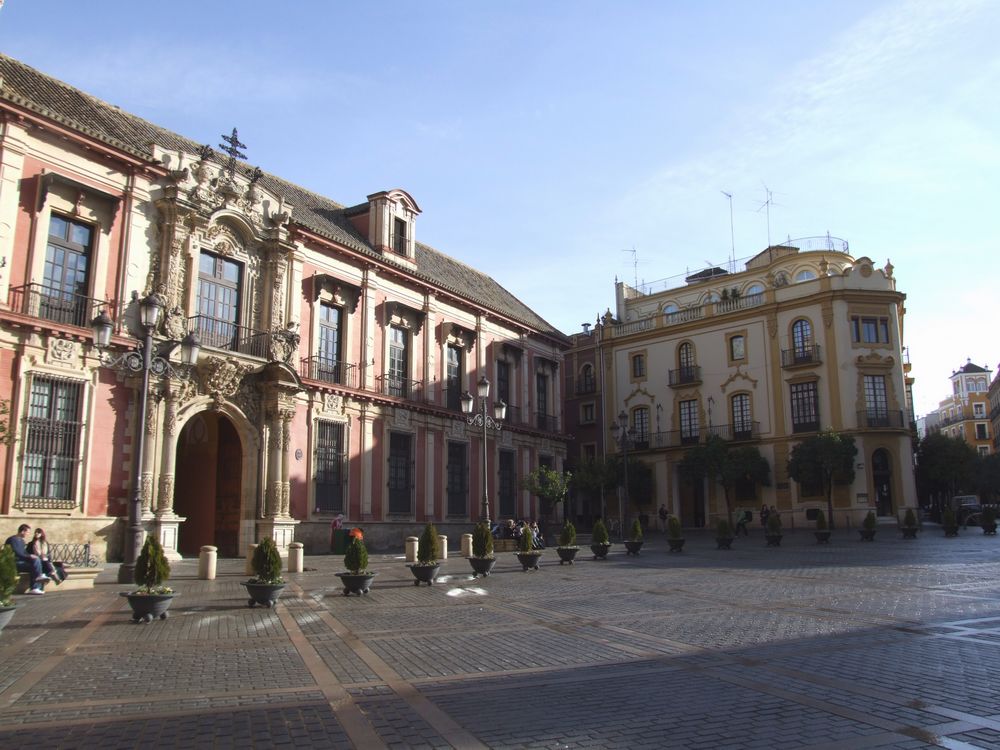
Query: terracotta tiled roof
(85,114)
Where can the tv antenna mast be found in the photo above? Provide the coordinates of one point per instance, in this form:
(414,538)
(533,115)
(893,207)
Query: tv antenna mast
(766,207)
(732,233)
(635,266)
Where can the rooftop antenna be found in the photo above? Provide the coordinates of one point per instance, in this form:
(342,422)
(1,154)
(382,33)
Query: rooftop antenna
(766,207)
(635,266)
(732,233)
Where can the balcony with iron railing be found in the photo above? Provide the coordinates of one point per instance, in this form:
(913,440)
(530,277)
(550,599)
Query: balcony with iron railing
(682,376)
(397,387)
(739,432)
(586,385)
(330,371)
(226,335)
(801,356)
(56,305)
(881,419)
(547,422)
(513,415)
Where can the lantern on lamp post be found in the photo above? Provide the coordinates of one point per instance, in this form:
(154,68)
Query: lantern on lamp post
(487,422)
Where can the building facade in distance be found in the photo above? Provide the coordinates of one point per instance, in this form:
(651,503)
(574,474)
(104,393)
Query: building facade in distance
(802,338)
(335,346)
(967,412)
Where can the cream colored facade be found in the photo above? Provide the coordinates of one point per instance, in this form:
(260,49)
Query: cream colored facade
(796,341)
(967,412)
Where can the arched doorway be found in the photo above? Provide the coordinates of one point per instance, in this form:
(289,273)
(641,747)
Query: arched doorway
(882,479)
(208,484)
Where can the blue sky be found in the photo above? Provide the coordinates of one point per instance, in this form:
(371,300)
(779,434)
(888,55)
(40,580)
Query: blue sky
(545,141)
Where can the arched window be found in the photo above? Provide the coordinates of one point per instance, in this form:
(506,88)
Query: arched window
(670,307)
(754,288)
(805,275)
(802,339)
(685,355)
(587,383)
(741,417)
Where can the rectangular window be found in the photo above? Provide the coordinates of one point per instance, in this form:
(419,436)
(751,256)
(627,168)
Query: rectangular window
(542,401)
(400,473)
(399,237)
(589,452)
(458,479)
(328,365)
(979,410)
(689,421)
(453,377)
(876,403)
(984,450)
(330,460)
(805,407)
(869,330)
(742,422)
(399,364)
(507,491)
(982,432)
(52,443)
(587,413)
(65,282)
(737,348)
(640,424)
(219,302)
(638,365)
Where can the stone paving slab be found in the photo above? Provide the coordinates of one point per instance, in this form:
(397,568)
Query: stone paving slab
(849,646)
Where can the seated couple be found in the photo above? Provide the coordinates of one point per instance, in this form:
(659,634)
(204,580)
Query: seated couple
(32,557)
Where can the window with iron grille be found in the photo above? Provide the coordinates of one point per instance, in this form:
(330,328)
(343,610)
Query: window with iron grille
(876,403)
(802,339)
(65,281)
(330,461)
(507,490)
(458,479)
(805,407)
(689,421)
(52,443)
(400,472)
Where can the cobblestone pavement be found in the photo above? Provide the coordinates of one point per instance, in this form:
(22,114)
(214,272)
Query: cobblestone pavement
(853,645)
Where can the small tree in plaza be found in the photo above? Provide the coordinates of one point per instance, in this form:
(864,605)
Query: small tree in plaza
(715,459)
(820,460)
(152,568)
(550,487)
(429,546)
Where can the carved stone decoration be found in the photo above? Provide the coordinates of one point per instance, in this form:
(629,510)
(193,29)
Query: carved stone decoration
(247,398)
(457,428)
(401,418)
(772,325)
(283,343)
(273,499)
(165,499)
(146,490)
(738,375)
(332,403)
(62,352)
(827,315)
(876,361)
(175,324)
(284,506)
(221,378)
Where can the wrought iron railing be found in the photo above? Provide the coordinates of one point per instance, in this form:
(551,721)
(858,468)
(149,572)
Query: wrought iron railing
(800,355)
(56,305)
(73,555)
(224,334)
(546,422)
(391,385)
(685,375)
(513,415)
(880,419)
(330,371)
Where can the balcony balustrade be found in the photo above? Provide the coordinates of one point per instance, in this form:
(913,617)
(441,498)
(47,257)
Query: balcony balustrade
(881,419)
(330,371)
(682,376)
(800,356)
(56,305)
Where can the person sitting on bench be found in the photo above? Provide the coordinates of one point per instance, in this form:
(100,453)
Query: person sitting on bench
(27,562)
(39,547)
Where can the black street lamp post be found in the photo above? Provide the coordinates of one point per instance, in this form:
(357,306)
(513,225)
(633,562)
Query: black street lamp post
(623,435)
(484,420)
(140,361)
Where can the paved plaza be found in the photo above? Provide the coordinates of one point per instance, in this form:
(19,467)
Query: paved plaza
(894,644)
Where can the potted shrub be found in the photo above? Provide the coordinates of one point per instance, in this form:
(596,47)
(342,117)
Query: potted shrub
(909,527)
(822,531)
(599,541)
(152,598)
(675,535)
(949,523)
(8,582)
(482,560)
(266,585)
(723,535)
(634,543)
(988,520)
(772,532)
(867,530)
(526,554)
(357,579)
(567,548)
(426,568)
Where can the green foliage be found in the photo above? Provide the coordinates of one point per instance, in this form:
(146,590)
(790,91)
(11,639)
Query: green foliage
(482,540)
(8,575)
(774,523)
(429,546)
(674,530)
(635,534)
(152,568)
(820,521)
(715,459)
(567,536)
(869,522)
(822,458)
(356,557)
(987,476)
(948,518)
(945,465)
(525,541)
(599,534)
(549,485)
(594,475)
(640,479)
(266,563)
(723,530)
(909,518)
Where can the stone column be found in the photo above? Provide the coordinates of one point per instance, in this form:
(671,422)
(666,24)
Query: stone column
(167,521)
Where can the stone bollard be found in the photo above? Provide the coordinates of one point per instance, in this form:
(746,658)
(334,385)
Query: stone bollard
(411,549)
(206,563)
(249,567)
(295,557)
(443,542)
(466,545)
